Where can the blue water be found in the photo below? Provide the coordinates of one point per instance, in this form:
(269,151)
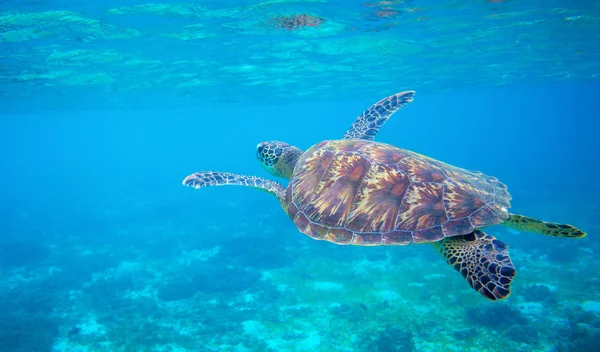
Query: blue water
(106,107)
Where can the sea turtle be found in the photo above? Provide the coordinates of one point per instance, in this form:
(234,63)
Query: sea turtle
(357,191)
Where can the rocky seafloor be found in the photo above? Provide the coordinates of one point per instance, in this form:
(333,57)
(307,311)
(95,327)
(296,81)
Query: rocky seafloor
(140,283)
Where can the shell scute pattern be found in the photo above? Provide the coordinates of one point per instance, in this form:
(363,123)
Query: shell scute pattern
(420,170)
(383,153)
(367,239)
(397,237)
(379,197)
(475,179)
(432,234)
(339,235)
(461,198)
(422,208)
(485,216)
(308,174)
(462,225)
(347,145)
(333,195)
(368,193)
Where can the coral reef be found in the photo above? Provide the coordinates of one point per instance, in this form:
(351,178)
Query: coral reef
(539,293)
(239,290)
(523,333)
(464,334)
(578,337)
(222,280)
(496,316)
(392,339)
(26,321)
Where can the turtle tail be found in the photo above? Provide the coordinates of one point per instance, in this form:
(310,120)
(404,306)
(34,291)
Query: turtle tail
(524,223)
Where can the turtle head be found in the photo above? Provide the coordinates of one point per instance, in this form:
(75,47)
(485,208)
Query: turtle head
(278,158)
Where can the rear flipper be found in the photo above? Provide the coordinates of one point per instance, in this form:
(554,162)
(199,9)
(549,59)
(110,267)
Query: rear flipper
(482,260)
(523,223)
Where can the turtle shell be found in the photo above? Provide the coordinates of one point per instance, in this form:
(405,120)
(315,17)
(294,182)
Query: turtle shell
(368,193)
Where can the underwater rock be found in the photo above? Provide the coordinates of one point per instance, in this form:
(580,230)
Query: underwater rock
(534,310)
(591,306)
(538,293)
(254,328)
(212,280)
(496,316)
(587,313)
(26,320)
(386,296)
(464,334)
(523,333)
(85,265)
(393,339)
(175,291)
(27,332)
(350,312)
(579,337)
(74,331)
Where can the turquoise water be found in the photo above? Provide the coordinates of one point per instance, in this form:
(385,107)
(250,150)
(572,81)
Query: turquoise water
(105,107)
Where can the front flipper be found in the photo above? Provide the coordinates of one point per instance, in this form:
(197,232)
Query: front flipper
(210,178)
(368,124)
(524,223)
(482,260)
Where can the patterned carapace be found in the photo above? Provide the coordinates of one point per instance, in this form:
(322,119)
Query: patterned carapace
(369,193)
